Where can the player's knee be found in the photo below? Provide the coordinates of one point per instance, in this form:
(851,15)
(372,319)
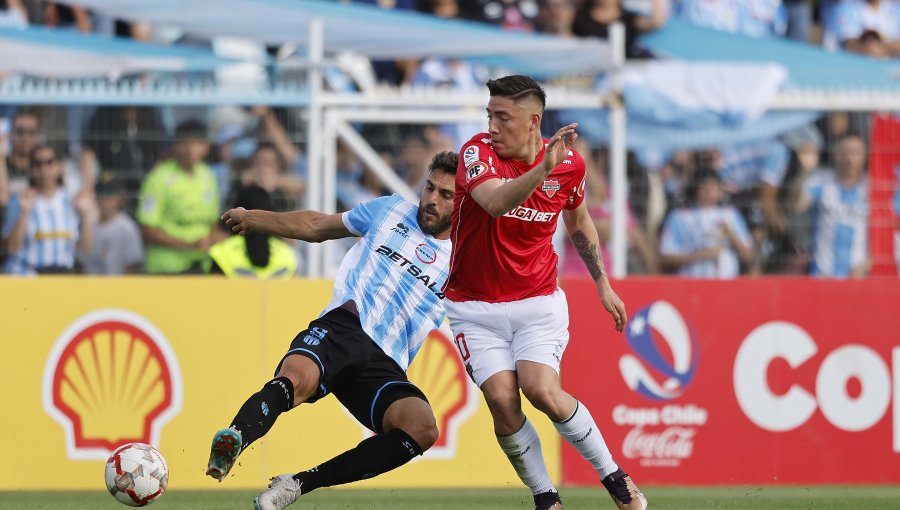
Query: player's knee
(304,375)
(423,429)
(502,398)
(543,397)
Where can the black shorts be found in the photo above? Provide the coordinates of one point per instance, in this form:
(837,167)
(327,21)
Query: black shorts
(353,367)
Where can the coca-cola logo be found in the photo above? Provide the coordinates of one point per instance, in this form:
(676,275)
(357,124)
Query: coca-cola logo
(665,448)
(660,447)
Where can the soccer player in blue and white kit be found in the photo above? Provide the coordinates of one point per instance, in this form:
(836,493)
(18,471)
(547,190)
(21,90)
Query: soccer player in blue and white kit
(387,298)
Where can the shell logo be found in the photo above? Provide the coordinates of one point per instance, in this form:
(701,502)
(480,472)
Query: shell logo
(111,378)
(438,371)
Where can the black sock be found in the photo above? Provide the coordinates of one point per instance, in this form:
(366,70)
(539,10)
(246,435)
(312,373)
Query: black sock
(375,455)
(260,411)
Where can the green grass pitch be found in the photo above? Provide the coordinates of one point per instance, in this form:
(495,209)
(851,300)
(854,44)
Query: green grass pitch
(660,498)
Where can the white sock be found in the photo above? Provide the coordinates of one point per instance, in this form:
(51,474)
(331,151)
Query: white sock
(582,433)
(524,452)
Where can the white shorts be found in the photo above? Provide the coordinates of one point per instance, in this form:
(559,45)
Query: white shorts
(492,337)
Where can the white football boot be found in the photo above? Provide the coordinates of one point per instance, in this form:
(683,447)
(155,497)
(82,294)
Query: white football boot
(283,491)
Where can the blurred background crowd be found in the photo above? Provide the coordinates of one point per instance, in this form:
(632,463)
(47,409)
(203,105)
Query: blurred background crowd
(137,189)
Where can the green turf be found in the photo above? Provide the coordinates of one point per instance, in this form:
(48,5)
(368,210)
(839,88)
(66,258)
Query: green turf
(661,498)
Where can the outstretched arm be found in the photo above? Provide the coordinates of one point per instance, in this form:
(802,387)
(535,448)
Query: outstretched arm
(584,236)
(498,198)
(310,226)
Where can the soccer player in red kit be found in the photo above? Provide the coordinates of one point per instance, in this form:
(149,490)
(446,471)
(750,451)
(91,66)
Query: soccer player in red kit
(509,318)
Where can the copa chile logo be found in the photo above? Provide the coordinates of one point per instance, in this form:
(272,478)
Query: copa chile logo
(647,370)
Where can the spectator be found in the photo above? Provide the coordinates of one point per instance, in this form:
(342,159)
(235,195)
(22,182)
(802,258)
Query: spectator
(594,18)
(64,16)
(556,17)
(440,8)
(827,10)
(790,252)
(518,15)
(600,209)
(839,202)
(706,239)
(752,175)
(867,26)
(393,72)
(44,229)
(179,207)
(754,18)
(267,172)
(13,14)
(237,140)
(256,254)
(122,144)
(871,44)
(270,129)
(799,14)
(117,247)
(27,133)
(24,137)
(415,157)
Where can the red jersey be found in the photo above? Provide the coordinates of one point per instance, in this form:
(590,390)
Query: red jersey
(511,257)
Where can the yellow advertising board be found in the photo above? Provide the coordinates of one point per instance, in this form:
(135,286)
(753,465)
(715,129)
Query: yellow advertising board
(91,363)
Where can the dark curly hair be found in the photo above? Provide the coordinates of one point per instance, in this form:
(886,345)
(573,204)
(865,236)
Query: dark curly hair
(445,161)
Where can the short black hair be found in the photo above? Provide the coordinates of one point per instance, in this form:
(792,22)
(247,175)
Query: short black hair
(698,178)
(445,161)
(109,186)
(190,130)
(517,87)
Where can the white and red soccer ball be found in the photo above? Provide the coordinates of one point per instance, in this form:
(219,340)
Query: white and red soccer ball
(136,474)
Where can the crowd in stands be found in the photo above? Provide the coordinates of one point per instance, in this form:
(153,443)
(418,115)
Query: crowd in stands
(115,190)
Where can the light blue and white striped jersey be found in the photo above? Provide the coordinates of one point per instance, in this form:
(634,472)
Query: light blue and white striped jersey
(841,219)
(395,274)
(693,229)
(51,234)
(756,18)
(853,17)
(747,166)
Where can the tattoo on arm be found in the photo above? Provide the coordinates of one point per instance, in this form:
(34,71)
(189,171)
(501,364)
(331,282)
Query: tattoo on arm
(590,254)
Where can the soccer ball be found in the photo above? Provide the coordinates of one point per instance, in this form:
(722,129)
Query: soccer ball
(136,474)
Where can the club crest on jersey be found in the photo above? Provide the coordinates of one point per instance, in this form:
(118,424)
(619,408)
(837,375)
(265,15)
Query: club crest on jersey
(470,155)
(474,170)
(550,187)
